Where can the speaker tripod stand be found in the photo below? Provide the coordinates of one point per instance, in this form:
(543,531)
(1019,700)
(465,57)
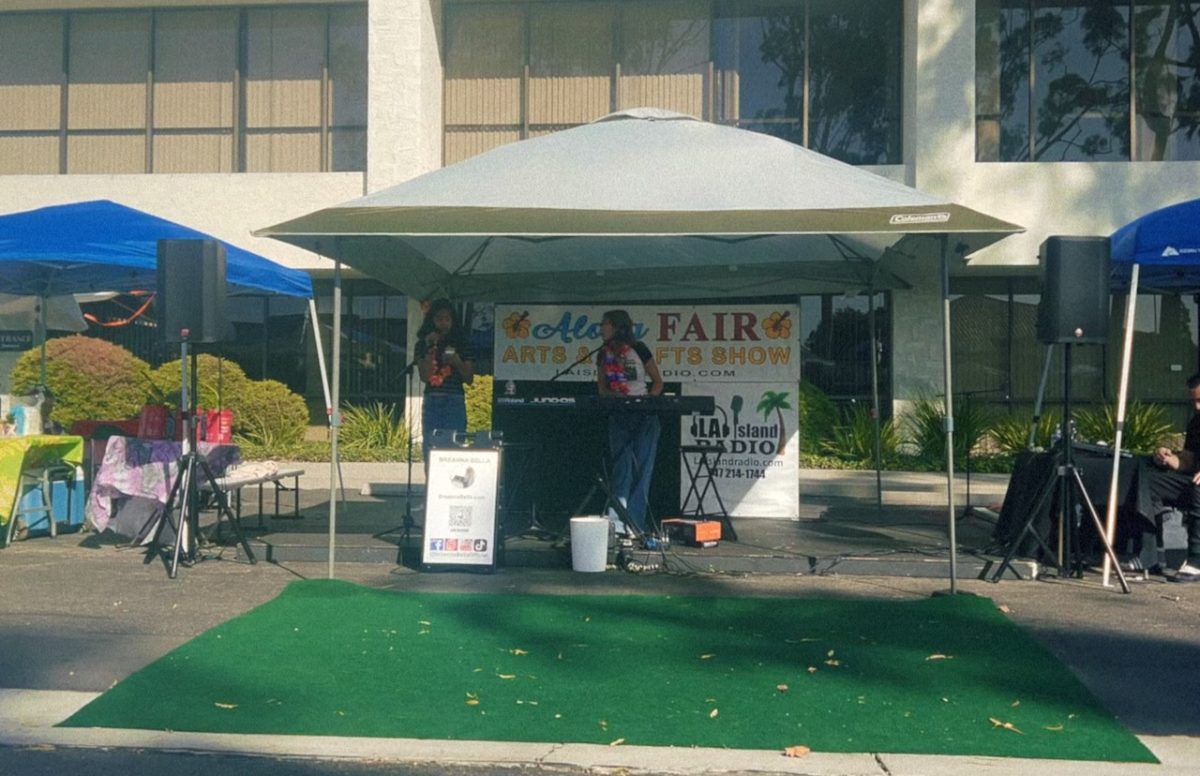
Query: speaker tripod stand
(182,511)
(1069,485)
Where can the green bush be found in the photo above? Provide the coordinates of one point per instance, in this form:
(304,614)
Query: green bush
(264,411)
(1146,426)
(818,416)
(479,403)
(219,383)
(91,379)
(268,413)
(925,429)
(1010,435)
(376,426)
(854,438)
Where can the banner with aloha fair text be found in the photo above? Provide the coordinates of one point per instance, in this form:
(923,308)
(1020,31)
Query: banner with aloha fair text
(745,356)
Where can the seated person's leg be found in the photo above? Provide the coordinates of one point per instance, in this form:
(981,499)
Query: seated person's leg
(1159,490)
(1190,571)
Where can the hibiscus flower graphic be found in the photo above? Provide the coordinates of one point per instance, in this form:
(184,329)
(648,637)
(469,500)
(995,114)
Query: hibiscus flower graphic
(778,325)
(516,326)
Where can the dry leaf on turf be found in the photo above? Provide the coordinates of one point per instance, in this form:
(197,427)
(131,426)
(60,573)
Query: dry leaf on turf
(507,676)
(1053,728)
(618,742)
(1004,608)
(220,705)
(799,750)
(518,651)
(812,669)
(939,657)
(1006,725)
(781,687)
(1015,703)
(713,714)
(708,656)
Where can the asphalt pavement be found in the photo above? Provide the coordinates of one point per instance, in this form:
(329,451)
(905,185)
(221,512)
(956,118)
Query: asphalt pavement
(81,613)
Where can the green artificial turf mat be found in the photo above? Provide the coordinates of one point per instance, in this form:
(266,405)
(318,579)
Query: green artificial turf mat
(949,675)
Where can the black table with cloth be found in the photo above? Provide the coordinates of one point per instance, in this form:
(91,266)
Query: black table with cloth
(1034,472)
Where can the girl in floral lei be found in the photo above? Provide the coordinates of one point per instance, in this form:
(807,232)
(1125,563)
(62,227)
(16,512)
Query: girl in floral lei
(624,367)
(445,365)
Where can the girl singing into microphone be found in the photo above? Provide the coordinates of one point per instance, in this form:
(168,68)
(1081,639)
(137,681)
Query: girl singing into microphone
(445,365)
(626,368)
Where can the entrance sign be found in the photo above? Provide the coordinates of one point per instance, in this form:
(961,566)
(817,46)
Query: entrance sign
(460,507)
(13,340)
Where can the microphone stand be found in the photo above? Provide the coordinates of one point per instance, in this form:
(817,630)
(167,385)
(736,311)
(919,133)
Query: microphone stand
(406,524)
(969,508)
(580,360)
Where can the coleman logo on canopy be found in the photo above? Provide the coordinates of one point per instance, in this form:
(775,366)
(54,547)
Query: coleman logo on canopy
(905,219)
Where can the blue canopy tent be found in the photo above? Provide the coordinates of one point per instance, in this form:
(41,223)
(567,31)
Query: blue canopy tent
(1159,251)
(105,246)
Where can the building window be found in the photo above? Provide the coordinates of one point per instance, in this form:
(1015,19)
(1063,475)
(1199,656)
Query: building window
(280,89)
(374,336)
(1102,80)
(823,74)
(998,358)
(835,346)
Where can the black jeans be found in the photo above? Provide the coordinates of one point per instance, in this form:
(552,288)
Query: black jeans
(1160,489)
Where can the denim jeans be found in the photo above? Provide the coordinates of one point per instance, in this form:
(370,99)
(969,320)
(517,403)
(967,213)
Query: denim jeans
(441,410)
(633,443)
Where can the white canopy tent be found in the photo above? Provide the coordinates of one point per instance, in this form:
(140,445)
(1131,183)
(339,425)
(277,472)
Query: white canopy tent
(642,205)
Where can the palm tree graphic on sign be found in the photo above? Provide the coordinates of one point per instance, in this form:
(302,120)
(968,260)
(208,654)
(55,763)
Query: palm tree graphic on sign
(776,401)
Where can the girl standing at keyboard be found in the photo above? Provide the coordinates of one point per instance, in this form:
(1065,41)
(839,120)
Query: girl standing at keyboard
(625,367)
(445,365)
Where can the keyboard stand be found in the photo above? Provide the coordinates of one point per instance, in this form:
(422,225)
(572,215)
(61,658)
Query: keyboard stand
(702,480)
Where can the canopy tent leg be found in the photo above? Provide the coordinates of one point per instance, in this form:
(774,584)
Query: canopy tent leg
(875,415)
(316,324)
(335,415)
(41,302)
(949,418)
(1110,512)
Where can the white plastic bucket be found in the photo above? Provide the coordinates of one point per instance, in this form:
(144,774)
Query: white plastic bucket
(589,543)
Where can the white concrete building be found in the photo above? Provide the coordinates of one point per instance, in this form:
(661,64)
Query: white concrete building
(229,116)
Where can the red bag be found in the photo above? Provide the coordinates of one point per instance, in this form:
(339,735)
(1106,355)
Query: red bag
(152,423)
(218,426)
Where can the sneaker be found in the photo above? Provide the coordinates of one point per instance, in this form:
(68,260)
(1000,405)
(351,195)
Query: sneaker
(1187,573)
(619,527)
(1133,563)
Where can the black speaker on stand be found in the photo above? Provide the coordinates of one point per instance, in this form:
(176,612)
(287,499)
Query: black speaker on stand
(191,308)
(1075,291)
(191,291)
(1073,311)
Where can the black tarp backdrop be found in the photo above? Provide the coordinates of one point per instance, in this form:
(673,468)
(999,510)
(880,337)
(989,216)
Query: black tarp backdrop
(1033,473)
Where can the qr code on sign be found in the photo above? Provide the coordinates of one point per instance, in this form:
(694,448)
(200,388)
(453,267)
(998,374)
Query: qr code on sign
(460,517)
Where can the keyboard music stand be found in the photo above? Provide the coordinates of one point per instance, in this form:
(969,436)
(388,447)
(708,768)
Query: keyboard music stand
(702,480)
